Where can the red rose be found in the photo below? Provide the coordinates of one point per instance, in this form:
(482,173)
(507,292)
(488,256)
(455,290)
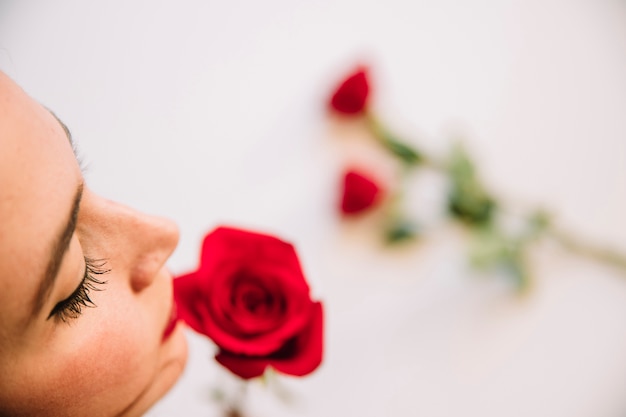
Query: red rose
(250,297)
(351,95)
(359,193)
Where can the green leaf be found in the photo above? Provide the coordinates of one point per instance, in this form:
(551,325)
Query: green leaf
(492,249)
(468,199)
(399,149)
(401,231)
(487,248)
(402,151)
(538,222)
(473,209)
(518,270)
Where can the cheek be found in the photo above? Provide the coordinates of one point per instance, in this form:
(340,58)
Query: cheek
(125,344)
(97,364)
(113,354)
(112,362)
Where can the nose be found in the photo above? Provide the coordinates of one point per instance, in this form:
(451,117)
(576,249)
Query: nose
(151,240)
(135,245)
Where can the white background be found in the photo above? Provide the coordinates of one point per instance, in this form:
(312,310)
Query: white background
(214,113)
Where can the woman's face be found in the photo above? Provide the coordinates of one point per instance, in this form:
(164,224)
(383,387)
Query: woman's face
(61,354)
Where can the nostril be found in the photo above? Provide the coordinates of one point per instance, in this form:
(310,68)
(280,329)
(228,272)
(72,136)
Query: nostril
(140,277)
(153,243)
(144,272)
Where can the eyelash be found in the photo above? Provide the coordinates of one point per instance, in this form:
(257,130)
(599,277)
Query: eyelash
(72,307)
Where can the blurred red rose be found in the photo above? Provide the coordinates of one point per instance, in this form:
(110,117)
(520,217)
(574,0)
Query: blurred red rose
(250,297)
(359,193)
(351,95)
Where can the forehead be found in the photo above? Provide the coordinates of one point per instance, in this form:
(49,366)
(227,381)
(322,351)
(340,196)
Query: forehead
(38,178)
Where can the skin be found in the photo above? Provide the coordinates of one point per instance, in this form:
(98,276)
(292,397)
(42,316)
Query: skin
(112,359)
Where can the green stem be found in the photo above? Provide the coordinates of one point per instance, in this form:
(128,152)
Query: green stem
(236,404)
(410,156)
(600,254)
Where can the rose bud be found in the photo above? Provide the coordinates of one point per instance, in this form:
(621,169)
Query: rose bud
(359,193)
(250,297)
(351,95)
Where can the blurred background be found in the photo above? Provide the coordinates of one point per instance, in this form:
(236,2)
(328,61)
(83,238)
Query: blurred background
(215,113)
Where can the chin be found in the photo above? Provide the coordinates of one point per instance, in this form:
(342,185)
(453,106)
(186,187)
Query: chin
(169,371)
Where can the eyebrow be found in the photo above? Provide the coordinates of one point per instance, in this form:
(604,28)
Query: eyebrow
(65,129)
(59,248)
(60,245)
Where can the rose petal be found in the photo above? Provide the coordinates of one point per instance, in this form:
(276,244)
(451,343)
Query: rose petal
(249,295)
(243,366)
(359,193)
(224,320)
(258,306)
(301,357)
(276,264)
(350,97)
(261,344)
(308,349)
(189,301)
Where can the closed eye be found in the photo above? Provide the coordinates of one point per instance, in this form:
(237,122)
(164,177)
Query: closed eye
(72,307)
